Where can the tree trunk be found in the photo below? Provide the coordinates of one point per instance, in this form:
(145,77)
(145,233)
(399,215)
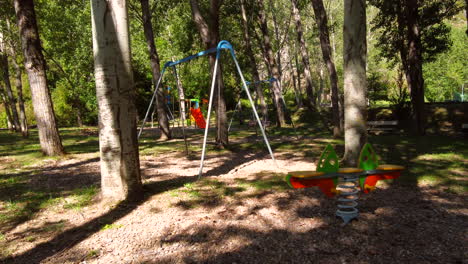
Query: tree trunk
(355,87)
(163,121)
(414,66)
(321,18)
(253,64)
(6,105)
(49,137)
(6,80)
(278,40)
(115,91)
(295,80)
(19,93)
(298,72)
(275,86)
(305,57)
(209,33)
(181,92)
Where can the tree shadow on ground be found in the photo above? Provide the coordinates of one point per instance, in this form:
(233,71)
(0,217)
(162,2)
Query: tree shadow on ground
(75,235)
(32,189)
(397,224)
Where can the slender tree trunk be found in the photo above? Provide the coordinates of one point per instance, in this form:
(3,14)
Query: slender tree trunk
(415,75)
(321,18)
(295,80)
(298,72)
(321,87)
(209,33)
(181,92)
(49,137)
(253,64)
(278,41)
(355,87)
(275,86)
(115,90)
(305,57)
(6,80)
(6,105)
(19,93)
(163,121)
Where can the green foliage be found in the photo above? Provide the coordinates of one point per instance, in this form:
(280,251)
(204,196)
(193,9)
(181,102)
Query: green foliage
(448,72)
(391,22)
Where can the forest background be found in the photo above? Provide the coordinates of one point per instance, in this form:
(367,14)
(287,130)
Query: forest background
(65,31)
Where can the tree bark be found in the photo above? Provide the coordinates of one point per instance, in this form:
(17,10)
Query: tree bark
(278,40)
(6,80)
(311,102)
(253,64)
(355,86)
(35,65)
(414,67)
(298,72)
(6,105)
(19,92)
(181,92)
(275,86)
(163,121)
(209,33)
(115,91)
(321,18)
(296,85)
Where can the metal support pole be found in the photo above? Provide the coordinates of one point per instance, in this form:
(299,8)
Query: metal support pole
(210,103)
(253,106)
(151,102)
(233,114)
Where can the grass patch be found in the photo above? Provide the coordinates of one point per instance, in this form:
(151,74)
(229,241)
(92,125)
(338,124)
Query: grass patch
(265,181)
(111,226)
(81,197)
(55,227)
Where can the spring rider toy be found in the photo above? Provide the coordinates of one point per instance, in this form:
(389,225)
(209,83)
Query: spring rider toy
(328,176)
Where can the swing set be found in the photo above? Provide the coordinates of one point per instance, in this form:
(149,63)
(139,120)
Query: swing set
(222,45)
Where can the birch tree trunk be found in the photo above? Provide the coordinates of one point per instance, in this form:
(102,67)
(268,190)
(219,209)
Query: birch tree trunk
(6,80)
(305,56)
(321,18)
(35,65)
(163,121)
(275,86)
(355,86)
(209,33)
(253,64)
(414,67)
(120,165)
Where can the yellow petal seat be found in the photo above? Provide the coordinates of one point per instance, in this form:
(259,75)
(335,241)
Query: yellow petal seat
(305,174)
(350,170)
(390,167)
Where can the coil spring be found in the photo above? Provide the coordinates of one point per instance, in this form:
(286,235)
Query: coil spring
(347,202)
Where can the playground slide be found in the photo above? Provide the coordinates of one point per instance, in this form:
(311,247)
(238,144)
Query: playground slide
(199,120)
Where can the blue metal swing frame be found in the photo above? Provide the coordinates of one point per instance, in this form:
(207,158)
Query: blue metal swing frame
(222,45)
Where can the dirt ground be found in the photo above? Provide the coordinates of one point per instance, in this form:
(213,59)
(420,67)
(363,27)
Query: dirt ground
(233,222)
